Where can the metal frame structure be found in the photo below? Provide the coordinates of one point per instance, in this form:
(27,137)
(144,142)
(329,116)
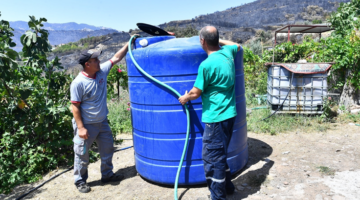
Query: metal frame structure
(303,29)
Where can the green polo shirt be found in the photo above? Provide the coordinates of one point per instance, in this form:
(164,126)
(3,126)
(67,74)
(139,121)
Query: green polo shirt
(216,80)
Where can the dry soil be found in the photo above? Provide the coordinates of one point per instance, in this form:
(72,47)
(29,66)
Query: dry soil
(314,166)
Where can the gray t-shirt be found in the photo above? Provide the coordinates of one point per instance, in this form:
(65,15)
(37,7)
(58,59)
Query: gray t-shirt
(91,93)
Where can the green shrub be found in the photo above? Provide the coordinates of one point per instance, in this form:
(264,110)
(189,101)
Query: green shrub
(255,72)
(35,127)
(68,48)
(79,45)
(120,115)
(317,21)
(119,103)
(117,77)
(263,35)
(188,31)
(92,40)
(329,112)
(256,47)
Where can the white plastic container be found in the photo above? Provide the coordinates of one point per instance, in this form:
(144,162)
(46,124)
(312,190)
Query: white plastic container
(307,90)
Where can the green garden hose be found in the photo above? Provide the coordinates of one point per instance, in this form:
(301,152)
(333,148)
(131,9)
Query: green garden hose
(186,109)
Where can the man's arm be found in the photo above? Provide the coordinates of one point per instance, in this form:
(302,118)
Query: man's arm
(120,54)
(192,95)
(227,42)
(82,131)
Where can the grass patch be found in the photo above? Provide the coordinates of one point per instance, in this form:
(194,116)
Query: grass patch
(349,118)
(326,170)
(284,123)
(280,123)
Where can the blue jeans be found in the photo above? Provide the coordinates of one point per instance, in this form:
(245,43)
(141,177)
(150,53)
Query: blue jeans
(216,140)
(101,134)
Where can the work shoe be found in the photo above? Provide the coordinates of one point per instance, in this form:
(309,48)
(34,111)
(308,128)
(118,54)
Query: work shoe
(113,178)
(83,188)
(230,191)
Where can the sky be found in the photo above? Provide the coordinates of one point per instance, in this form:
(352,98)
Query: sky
(117,14)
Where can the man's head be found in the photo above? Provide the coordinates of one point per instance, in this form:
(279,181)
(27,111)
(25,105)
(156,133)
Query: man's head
(209,37)
(89,60)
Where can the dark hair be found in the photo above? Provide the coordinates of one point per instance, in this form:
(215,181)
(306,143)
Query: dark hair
(210,37)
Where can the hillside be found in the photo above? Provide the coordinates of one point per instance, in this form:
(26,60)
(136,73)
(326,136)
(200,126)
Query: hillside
(239,23)
(109,44)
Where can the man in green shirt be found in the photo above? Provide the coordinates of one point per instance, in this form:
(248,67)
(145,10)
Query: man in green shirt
(215,83)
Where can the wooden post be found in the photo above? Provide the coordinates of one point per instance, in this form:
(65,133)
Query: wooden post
(275,39)
(289,34)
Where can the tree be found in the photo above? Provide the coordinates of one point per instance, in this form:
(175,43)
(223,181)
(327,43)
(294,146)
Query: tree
(35,127)
(344,47)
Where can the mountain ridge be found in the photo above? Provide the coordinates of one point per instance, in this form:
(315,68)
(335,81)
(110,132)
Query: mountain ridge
(60,33)
(22,25)
(239,23)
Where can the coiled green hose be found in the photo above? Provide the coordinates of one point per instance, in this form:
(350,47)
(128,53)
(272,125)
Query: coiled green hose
(186,109)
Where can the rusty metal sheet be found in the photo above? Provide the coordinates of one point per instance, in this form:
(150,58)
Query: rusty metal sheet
(304,68)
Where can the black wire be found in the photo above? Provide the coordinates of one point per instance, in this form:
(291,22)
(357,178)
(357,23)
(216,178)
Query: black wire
(292,78)
(52,178)
(22,196)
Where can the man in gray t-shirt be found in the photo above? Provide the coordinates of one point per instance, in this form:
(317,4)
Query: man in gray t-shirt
(88,93)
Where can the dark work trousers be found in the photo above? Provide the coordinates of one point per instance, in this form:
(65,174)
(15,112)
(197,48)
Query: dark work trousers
(216,140)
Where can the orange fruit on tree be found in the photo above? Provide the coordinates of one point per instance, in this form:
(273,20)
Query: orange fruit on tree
(21,104)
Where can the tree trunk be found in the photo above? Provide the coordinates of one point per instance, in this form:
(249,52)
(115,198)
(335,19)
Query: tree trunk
(349,96)
(118,89)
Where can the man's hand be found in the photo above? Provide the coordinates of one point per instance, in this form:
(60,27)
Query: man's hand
(83,133)
(192,95)
(184,99)
(227,42)
(135,37)
(171,33)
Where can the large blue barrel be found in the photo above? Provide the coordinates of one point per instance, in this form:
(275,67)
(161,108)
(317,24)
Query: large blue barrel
(159,120)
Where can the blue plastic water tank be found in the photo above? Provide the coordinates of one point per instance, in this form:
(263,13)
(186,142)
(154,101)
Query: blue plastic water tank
(159,120)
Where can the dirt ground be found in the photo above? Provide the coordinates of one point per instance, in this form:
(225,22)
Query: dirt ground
(319,166)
